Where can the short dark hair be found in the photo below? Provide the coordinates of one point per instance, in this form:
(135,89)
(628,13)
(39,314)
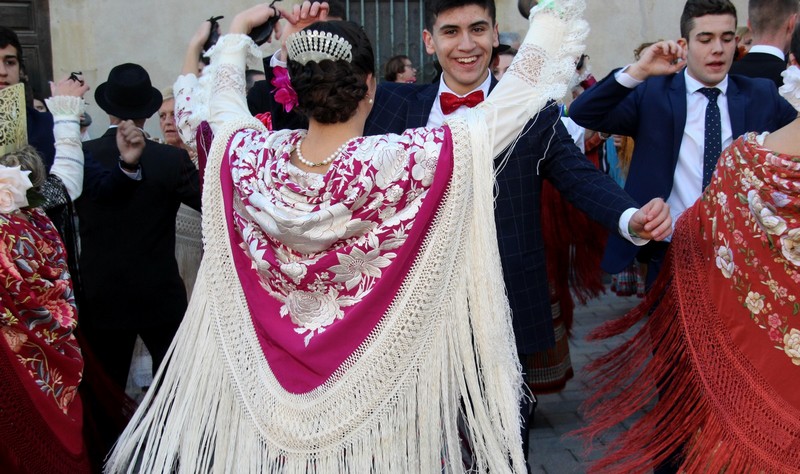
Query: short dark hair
(697,8)
(770,15)
(330,91)
(395,66)
(8,37)
(435,7)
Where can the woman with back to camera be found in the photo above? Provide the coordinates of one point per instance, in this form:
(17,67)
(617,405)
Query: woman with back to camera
(349,309)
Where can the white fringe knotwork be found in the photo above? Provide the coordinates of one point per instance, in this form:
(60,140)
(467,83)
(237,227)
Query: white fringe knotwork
(443,351)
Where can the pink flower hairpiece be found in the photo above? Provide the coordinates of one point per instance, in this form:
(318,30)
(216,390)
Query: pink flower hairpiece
(284,93)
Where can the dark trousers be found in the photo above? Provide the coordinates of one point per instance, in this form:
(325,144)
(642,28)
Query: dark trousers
(653,255)
(114,347)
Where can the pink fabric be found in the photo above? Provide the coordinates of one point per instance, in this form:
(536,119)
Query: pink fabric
(302,367)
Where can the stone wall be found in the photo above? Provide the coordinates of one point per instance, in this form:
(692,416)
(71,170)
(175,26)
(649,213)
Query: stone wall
(94,35)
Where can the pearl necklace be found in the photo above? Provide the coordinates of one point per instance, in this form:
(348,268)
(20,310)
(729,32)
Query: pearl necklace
(324,162)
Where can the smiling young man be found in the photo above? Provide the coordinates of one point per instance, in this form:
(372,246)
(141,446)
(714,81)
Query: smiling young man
(682,108)
(462,35)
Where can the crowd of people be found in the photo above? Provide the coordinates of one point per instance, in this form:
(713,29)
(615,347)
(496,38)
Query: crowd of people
(333,274)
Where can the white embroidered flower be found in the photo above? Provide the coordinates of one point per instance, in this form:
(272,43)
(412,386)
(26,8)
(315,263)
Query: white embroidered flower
(725,261)
(790,246)
(754,302)
(425,163)
(394,194)
(353,267)
(14,182)
(312,311)
(780,199)
(722,199)
(791,345)
(747,178)
(764,214)
(294,270)
(387,213)
(390,165)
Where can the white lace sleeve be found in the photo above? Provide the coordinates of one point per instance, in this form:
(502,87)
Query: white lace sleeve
(68,164)
(228,59)
(191,107)
(540,71)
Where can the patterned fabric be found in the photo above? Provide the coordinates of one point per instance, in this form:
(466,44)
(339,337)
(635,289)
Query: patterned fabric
(724,331)
(322,244)
(712,143)
(37,320)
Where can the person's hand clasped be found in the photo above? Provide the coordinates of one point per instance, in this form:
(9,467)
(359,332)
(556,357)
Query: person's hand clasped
(72,85)
(130,142)
(652,221)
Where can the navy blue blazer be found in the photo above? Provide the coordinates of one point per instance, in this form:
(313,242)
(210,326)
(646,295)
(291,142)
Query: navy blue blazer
(547,146)
(654,114)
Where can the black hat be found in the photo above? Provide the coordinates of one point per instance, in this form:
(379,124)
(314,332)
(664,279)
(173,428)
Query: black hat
(128,93)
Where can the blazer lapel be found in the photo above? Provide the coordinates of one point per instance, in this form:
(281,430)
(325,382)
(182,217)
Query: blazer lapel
(420,108)
(677,100)
(736,108)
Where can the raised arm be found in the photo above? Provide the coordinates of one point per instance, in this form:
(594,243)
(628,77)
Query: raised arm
(191,94)
(232,52)
(540,71)
(67,105)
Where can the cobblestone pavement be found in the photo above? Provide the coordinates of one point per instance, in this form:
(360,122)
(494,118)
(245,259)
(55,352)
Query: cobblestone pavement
(557,414)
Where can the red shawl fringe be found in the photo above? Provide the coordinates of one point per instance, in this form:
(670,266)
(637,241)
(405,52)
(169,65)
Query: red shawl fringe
(713,405)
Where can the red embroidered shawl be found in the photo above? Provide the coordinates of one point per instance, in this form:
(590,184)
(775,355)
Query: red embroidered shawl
(40,361)
(723,341)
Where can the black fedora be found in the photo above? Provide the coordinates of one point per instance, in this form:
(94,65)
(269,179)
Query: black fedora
(128,93)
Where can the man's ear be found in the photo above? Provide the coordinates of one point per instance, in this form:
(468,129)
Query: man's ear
(427,38)
(683,43)
(496,33)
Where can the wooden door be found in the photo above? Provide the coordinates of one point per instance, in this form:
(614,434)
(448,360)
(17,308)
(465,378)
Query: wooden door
(30,19)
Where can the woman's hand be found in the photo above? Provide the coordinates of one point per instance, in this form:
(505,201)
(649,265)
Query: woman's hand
(73,85)
(245,21)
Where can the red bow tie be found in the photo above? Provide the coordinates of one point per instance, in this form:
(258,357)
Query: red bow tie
(451,102)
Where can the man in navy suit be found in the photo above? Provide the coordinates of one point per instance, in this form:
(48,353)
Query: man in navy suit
(772,23)
(462,34)
(662,106)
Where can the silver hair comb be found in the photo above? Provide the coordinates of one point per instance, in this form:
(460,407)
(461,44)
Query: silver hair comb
(305,46)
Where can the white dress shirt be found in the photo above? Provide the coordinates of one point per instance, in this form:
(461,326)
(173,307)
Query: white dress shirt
(687,183)
(765,48)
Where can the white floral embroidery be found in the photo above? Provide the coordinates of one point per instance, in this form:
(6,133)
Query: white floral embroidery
(791,345)
(353,267)
(313,312)
(765,214)
(790,246)
(781,199)
(294,270)
(362,207)
(754,302)
(725,261)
